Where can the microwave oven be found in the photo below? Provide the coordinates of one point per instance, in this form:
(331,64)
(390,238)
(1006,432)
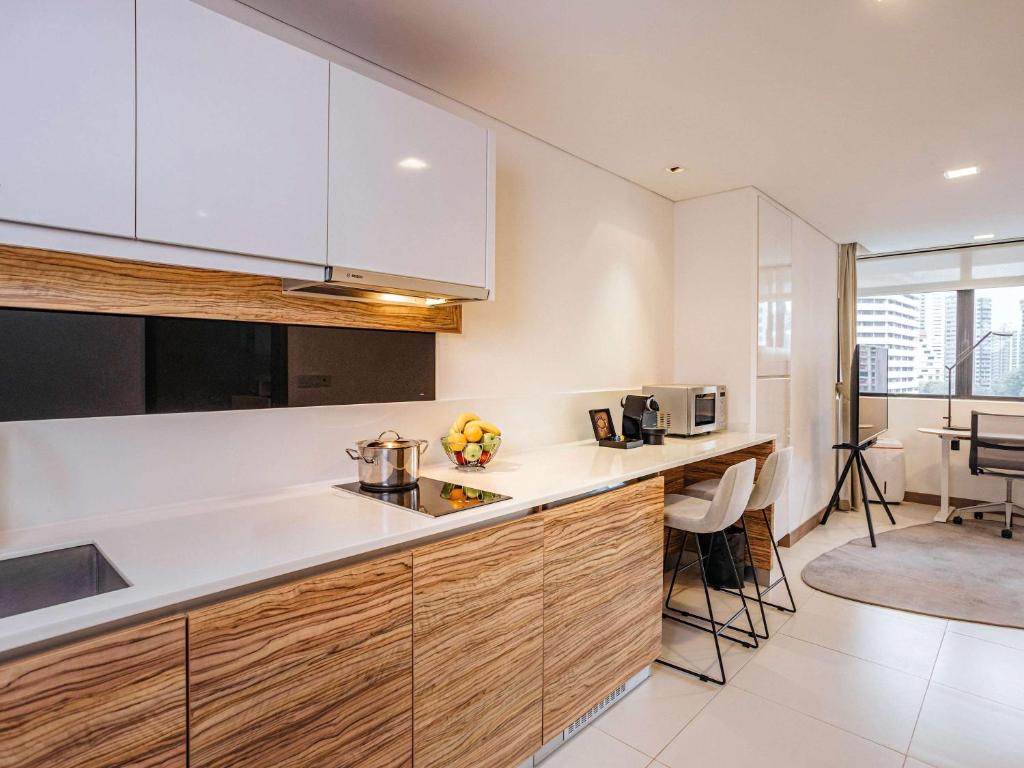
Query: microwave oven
(689,410)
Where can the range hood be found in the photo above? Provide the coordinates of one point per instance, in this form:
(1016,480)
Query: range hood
(377,287)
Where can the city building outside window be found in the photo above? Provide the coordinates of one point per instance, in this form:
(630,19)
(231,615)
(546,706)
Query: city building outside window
(920,330)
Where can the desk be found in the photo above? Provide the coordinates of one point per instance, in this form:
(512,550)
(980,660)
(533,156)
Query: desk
(946,436)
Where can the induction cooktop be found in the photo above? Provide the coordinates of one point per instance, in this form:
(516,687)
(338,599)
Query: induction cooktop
(429,497)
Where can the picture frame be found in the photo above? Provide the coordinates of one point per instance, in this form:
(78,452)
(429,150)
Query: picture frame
(602,423)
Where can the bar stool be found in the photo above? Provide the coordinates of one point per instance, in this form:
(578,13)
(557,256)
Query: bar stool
(689,514)
(770,484)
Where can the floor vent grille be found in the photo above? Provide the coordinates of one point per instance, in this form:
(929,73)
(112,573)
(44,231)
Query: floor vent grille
(595,710)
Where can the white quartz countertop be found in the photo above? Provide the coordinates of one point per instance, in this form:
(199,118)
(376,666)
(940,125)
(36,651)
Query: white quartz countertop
(174,555)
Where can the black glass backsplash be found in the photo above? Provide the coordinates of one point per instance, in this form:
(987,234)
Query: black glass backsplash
(58,365)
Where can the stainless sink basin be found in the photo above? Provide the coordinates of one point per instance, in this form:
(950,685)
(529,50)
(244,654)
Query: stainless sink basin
(51,578)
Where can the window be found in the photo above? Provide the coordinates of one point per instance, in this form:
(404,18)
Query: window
(919,330)
(929,308)
(999,361)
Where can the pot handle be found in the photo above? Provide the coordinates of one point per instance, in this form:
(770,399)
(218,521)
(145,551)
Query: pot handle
(393,432)
(424,444)
(356,456)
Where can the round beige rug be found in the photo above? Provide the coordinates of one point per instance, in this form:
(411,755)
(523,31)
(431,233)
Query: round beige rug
(967,573)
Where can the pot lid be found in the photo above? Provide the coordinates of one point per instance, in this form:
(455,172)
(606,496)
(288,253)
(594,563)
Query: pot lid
(397,442)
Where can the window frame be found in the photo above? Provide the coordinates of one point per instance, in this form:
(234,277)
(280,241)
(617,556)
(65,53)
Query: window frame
(964,376)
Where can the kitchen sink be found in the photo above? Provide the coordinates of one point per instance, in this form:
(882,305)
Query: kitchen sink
(30,582)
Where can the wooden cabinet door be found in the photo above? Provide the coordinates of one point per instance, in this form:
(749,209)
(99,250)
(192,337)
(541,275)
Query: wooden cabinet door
(602,597)
(232,136)
(67,136)
(409,185)
(316,673)
(114,701)
(477,628)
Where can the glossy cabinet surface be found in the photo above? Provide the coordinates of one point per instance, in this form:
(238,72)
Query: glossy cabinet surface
(409,185)
(602,597)
(774,290)
(477,628)
(312,673)
(67,136)
(232,136)
(111,701)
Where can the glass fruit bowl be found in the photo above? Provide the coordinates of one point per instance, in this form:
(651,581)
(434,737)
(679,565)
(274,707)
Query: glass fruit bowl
(471,455)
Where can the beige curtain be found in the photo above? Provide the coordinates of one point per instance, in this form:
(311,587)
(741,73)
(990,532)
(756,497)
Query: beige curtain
(847,341)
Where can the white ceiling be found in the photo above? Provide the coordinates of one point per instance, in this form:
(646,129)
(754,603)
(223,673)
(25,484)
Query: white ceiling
(846,111)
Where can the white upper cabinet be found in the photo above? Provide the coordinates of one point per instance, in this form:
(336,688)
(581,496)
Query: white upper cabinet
(232,136)
(67,95)
(409,185)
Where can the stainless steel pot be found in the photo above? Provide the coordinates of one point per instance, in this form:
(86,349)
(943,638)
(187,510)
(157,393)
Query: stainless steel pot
(388,465)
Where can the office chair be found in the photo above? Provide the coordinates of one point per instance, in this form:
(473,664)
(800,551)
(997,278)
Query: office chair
(997,449)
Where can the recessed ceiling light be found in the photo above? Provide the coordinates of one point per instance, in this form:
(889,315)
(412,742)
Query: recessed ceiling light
(675,169)
(958,172)
(986,236)
(413,164)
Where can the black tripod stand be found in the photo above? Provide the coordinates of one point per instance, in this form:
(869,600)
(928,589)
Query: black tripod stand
(856,458)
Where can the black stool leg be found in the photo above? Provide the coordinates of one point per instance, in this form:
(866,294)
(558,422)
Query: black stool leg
(782,568)
(743,597)
(757,585)
(679,560)
(711,612)
(783,579)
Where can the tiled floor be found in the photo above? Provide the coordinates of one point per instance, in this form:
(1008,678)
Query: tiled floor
(840,684)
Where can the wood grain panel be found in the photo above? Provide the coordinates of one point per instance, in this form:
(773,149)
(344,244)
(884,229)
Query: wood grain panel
(36,279)
(602,597)
(312,673)
(478,620)
(113,701)
(678,478)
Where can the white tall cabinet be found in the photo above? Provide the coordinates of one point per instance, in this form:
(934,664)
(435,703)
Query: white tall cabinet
(67,95)
(774,319)
(756,311)
(409,185)
(232,136)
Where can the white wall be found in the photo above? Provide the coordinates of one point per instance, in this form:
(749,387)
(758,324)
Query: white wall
(584,293)
(52,471)
(906,414)
(716,297)
(584,302)
(813,367)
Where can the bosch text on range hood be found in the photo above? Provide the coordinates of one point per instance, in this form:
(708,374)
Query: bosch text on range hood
(377,286)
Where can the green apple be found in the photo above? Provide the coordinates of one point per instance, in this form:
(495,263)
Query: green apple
(472,452)
(490,442)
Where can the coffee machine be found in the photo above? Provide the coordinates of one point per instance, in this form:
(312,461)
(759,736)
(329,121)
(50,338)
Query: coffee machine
(640,420)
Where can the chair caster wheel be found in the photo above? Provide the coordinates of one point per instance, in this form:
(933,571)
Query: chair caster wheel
(1007,533)
(958,520)
(979,515)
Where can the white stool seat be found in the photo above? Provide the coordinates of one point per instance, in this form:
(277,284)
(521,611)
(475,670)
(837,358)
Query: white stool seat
(767,489)
(687,513)
(692,515)
(705,489)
